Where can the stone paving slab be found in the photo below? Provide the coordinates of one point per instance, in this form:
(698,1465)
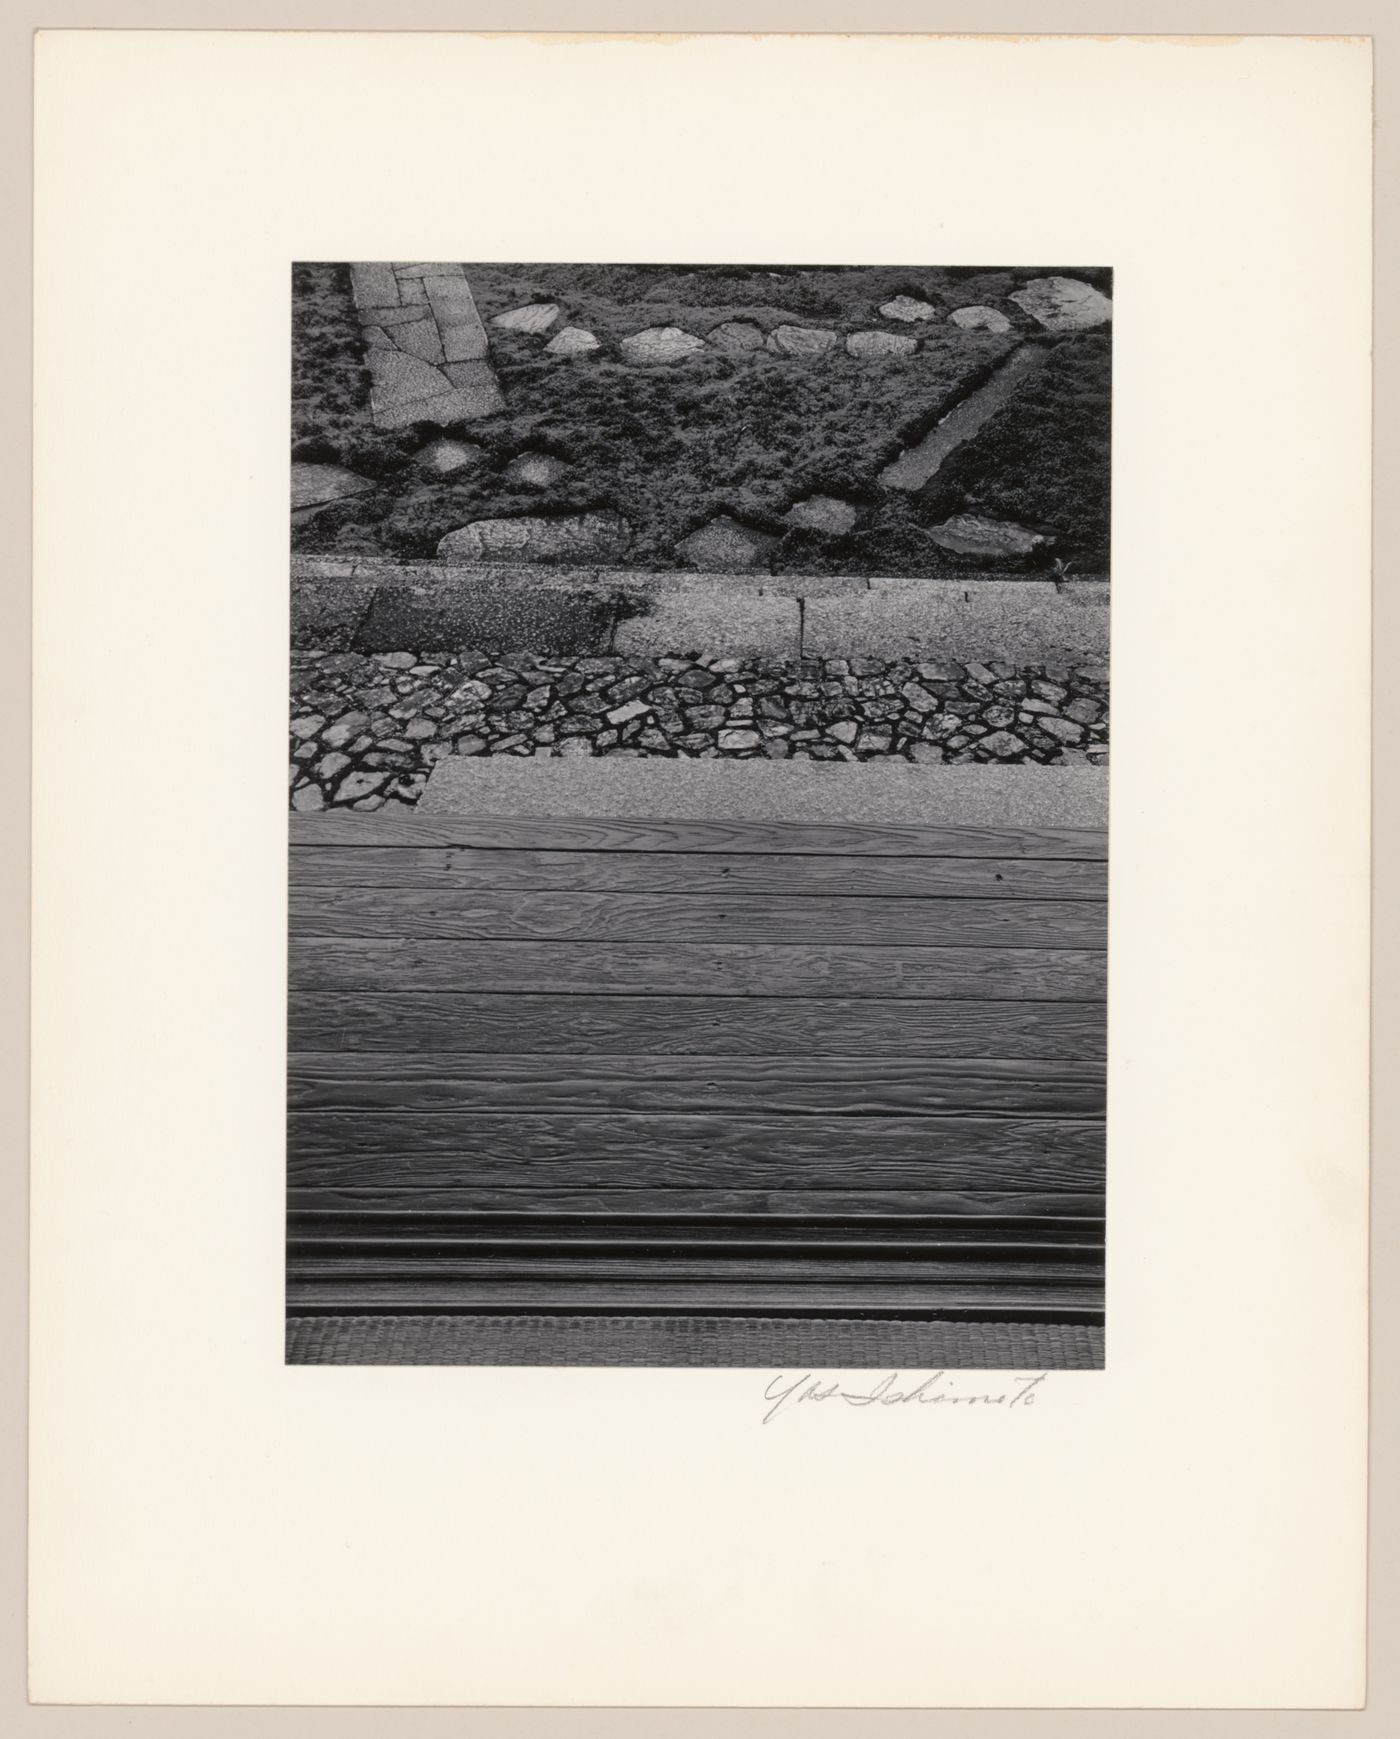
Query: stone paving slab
(1030,623)
(533,620)
(875,793)
(326,612)
(680,622)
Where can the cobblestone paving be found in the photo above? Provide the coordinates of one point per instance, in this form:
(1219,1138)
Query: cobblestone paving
(366,730)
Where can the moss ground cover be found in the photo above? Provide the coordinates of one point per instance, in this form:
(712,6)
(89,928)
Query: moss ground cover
(670,446)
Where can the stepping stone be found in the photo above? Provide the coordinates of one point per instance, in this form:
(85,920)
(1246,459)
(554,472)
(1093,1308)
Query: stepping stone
(908,308)
(800,340)
(978,318)
(661,344)
(972,534)
(881,344)
(538,317)
(419,338)
(374,285)
(1063,304)
(316,486)
(724,545)
(823,513)
(537,470)
(445,456)
(454,309)
(738,335)
(575,537)
(572,341)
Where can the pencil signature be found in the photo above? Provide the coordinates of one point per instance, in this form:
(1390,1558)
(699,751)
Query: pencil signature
(942,1388)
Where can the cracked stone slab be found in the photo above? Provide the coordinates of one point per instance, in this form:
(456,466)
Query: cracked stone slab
(526,619)
(1063,304)
(875,794)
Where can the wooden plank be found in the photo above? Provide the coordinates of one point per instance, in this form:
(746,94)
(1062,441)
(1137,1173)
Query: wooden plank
(698,1025)
(469,871)
(864,1297)
(507,915)
(1078,1211)
(509,833)
(876,1085)
(428,1150)
(695,968)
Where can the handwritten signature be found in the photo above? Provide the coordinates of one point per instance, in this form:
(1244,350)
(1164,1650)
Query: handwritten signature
(939,1389)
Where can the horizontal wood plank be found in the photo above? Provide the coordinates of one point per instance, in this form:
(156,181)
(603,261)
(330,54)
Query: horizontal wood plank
(712,1026)
(507,915)
(699,969)
(865,1297)
(877,1085)
(859,1208)
(470,871)
(331,1149)
(510,833)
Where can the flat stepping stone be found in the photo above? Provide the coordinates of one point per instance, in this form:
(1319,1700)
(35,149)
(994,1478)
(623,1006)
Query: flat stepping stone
(1063,304)
(316,486)
(536,470)
(661,344)
(724,546)
(881,344)
(908,308)
(536,317)
(979,318)
(800,340)
(445,456)
(823,513)
(972,534)
(572,341)
(738,335)
(576,537)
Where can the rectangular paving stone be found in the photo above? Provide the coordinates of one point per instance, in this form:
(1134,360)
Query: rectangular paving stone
(374,285)
(326,613)
(727,624)
(395,316)
(477,385)
(420,338)
(454,309)
(527,619)
(1021,622)
(429,269)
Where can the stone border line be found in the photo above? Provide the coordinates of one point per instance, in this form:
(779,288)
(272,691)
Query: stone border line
(426,348)
(372,605)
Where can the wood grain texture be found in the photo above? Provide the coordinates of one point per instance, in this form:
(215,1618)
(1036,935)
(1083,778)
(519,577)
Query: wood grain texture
(508,915)
(507,833)
(334,1150)
(876,1085)
(727,873)
(858,1207)
(712,1026)
(699,969)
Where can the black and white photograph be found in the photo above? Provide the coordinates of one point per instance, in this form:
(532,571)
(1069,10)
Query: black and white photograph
(699,759)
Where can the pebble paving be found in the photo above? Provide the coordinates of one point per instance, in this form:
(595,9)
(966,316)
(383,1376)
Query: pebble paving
(367,729)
